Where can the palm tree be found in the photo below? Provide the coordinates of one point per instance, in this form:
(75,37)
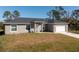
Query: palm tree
(7,14)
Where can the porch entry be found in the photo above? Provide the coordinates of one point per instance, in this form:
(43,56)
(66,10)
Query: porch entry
(36,27)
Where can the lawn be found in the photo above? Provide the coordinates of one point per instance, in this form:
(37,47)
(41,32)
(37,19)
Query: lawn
(38,42)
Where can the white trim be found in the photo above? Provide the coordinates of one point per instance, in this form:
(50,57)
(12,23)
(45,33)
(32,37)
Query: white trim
(11,28)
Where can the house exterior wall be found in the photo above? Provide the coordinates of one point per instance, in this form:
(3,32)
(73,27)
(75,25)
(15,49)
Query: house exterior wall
(36,28)
(20,29)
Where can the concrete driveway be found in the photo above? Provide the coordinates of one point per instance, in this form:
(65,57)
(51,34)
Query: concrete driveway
(71,34)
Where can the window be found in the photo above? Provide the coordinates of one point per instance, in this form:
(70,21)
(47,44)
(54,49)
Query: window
(13,27)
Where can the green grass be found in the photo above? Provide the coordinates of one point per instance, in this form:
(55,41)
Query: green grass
(38,42)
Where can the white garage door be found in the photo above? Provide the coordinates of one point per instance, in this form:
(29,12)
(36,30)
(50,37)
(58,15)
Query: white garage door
(60,28)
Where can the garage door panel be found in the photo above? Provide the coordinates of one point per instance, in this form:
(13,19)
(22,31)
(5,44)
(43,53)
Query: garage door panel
(60,28)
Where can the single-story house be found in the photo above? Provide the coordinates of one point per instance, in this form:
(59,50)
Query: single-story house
(25,25)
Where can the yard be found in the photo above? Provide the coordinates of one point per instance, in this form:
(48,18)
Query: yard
(75,31)
(38,42)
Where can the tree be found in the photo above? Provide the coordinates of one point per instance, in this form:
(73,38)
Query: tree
(75,14)
(16,13)
(11,15)
(58,13)
(7,14)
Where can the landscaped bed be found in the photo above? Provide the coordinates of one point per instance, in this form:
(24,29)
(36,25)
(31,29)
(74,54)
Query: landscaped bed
(75,31)
(38,42)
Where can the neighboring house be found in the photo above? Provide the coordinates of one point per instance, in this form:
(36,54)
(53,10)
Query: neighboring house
(25,25)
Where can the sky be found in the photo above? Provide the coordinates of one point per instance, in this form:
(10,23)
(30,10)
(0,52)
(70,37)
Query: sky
(32,11)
